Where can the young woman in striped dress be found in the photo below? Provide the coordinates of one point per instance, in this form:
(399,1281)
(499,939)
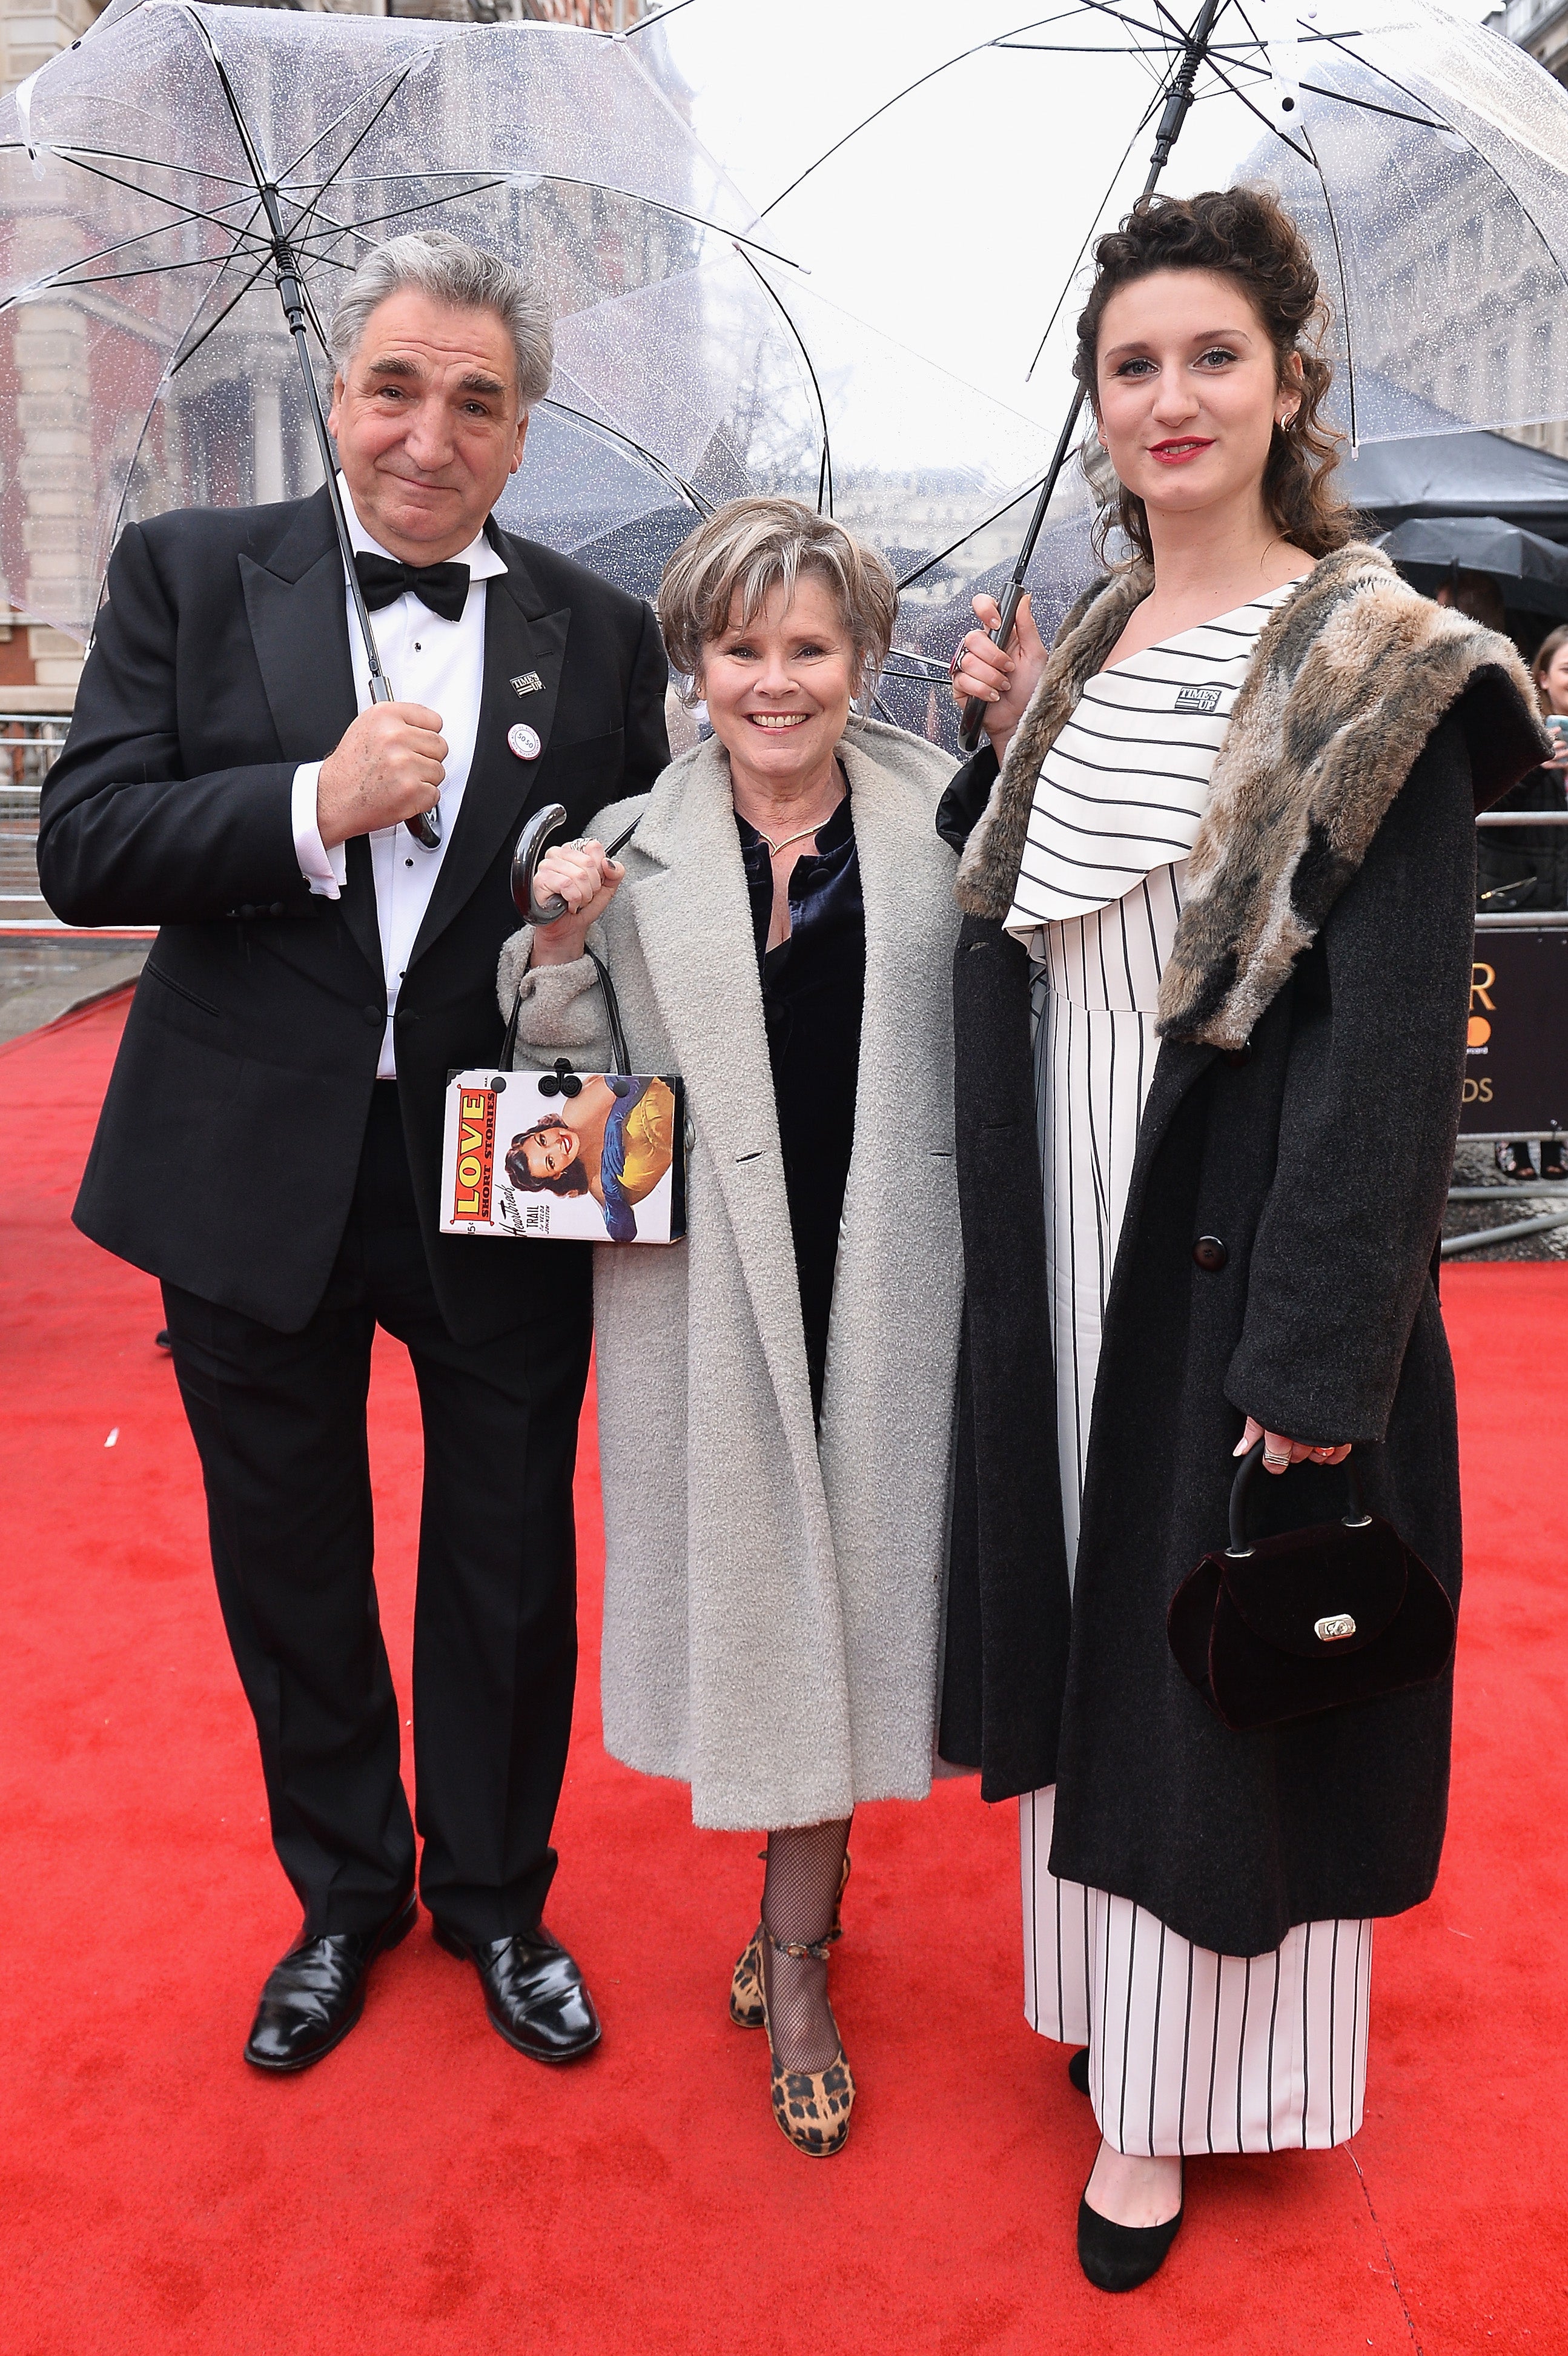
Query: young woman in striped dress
(1205,1935)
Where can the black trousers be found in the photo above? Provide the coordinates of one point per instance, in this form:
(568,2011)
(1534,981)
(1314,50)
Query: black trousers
(279,1422)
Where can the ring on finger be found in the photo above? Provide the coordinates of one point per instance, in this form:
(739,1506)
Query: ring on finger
(1270,1458)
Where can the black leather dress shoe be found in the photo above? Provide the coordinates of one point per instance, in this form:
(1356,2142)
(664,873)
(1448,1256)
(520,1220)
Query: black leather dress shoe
(533,1993)
(1077,2069)
(317,1994)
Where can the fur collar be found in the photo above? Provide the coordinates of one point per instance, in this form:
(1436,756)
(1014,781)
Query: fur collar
(1349,678)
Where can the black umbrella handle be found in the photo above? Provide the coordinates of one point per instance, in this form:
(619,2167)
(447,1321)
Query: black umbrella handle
(1178,102)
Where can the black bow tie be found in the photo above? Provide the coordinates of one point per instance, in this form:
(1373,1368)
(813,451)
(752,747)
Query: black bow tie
(443,587)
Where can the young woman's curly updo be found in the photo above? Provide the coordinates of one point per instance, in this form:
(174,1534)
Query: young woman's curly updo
(1247,235)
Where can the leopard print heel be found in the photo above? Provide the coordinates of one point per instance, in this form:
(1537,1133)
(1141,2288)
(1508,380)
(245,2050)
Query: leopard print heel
(746,1982)
(746,2005)
(812,2106)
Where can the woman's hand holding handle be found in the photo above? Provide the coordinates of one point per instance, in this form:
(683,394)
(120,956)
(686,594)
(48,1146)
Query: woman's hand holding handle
(1280,1453)
(579,873)
(1003,678)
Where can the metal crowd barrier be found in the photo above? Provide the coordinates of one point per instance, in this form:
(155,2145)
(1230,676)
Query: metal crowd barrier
(28,744)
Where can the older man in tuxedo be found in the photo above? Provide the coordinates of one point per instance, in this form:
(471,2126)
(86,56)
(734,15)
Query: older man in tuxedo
(270,1143)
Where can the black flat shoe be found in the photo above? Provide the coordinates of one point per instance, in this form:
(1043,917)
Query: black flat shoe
(317,1993)
(533,1993)
(1120,2257)
(1077,2069)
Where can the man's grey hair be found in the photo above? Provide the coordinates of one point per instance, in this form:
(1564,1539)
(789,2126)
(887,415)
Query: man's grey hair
(436,263)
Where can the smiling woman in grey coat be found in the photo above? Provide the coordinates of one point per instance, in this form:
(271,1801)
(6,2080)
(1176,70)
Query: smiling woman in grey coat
(776,1392)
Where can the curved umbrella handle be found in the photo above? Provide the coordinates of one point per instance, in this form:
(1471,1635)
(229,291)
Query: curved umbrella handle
(531,844)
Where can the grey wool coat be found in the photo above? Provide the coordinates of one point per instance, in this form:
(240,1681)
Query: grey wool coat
(1300,1117)
(772,1602)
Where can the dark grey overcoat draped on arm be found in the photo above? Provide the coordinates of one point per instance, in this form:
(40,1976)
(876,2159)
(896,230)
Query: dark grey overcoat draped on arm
(1302,1113)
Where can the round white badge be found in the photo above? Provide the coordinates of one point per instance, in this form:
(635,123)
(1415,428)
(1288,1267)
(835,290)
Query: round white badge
(524,742)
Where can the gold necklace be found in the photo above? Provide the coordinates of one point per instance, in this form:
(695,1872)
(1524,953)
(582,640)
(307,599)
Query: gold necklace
(777,846)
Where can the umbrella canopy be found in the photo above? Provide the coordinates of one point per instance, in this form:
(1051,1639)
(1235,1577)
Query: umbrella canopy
(962,163)
(140,175)
(1425,156)
(1531,573)
(1481,475)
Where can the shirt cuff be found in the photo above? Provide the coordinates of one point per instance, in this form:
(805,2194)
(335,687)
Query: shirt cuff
(324,871)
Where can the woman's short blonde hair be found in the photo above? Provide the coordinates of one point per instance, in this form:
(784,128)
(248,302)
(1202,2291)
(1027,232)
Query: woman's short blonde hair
(751,547)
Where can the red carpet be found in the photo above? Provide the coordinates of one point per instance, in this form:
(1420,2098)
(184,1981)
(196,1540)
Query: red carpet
(427,2190)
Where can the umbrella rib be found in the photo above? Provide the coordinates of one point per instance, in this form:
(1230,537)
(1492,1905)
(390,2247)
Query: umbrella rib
(69,155)
(356,145)
(120,277)
(825,470)
(1370,106)
(643,22)
(1283,137)
(1344,286)
(103,253)
(185,212)
(853,133)
(213,325)
(1395,83)
(1138,131)
(289,170)
(570,180)
(1025,491)
(665,472)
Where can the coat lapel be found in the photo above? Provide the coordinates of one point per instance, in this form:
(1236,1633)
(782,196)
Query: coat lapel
(519,637)
(694,923)
(299,627)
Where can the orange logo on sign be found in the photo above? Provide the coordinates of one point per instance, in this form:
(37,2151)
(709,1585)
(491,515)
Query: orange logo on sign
(476,1154)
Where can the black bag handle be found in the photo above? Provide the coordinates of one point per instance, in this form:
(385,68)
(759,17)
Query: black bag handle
(1357,1518)
(622,1060)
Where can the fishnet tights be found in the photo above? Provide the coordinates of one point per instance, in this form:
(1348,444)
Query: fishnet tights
(799,1896)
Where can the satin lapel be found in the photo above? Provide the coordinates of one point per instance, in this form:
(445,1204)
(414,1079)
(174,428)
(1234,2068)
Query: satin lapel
(501,789)
(300,626)
(693,922)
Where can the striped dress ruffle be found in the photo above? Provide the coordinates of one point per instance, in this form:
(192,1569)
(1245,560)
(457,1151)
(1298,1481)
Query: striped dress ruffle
(1189,2050)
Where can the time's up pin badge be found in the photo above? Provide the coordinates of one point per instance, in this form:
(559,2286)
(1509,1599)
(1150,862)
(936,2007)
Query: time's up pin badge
(522,740)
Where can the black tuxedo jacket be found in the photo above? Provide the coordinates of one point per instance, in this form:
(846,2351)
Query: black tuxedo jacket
(227,1150)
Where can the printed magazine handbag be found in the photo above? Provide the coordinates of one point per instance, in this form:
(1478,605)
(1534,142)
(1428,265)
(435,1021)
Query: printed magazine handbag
(1283,1627)
(561,1156)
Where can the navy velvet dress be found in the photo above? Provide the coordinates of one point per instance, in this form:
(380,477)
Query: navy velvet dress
(814,990)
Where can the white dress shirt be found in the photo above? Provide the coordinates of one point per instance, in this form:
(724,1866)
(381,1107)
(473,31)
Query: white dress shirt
(430,661)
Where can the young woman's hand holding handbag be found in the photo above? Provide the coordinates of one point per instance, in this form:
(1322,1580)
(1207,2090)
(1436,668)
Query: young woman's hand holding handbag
(1279,1628)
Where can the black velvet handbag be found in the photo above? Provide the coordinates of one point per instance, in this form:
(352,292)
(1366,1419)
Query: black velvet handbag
(1310,1619)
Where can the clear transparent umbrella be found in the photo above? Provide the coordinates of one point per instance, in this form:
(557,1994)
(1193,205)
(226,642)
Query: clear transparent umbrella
(954,167)
(161,181)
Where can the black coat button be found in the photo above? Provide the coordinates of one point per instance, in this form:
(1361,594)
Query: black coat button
(276,909)
(1210,1254)
(375,1014)
(246,909)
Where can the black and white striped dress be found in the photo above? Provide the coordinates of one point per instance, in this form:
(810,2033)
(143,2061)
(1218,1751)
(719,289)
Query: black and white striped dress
(1188,2050)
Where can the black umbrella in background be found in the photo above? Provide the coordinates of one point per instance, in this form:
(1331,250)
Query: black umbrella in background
(1531,573)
